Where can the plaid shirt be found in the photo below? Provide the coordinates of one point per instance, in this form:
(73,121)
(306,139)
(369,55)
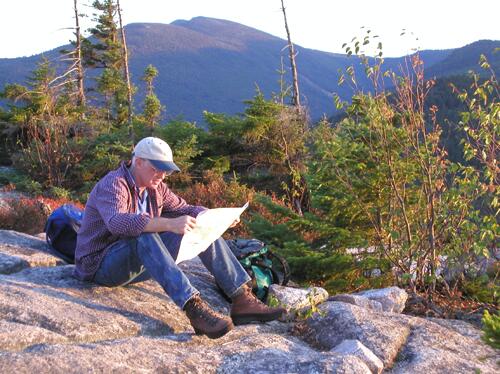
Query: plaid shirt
(110,215)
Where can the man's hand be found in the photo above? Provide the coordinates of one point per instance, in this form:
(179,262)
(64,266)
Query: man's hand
(181,225)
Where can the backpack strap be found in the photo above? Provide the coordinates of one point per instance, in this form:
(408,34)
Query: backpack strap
(254,252)
(284,265)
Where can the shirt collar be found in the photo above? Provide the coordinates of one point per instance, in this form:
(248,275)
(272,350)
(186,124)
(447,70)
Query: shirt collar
(132,179)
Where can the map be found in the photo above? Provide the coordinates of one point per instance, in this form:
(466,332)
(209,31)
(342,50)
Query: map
(210,225)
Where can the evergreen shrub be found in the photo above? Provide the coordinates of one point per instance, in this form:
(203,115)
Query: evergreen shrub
(482,289)
(20,182)
(491,329)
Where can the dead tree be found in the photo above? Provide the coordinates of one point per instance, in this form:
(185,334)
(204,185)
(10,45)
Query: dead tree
(298,191)
(291,52)
(126,70)
(78,57)
(74,73)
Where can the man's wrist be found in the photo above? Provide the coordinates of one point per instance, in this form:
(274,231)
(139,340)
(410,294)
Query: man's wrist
(165,222)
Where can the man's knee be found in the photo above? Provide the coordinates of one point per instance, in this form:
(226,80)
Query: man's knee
(148,235)
(148,238)
(221,243)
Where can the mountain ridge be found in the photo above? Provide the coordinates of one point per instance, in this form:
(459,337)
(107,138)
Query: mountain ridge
(215,65)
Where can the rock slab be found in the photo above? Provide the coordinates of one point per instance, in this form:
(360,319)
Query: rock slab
(51,322)
(356,348)
(392,299)
(297,301)
(358,300)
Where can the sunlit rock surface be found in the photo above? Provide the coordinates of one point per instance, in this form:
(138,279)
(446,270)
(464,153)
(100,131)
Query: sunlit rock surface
(51,322)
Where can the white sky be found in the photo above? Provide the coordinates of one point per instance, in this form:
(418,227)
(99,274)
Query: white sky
(29,27)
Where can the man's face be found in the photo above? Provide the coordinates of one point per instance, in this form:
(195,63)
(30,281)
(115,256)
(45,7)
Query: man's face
(147,175)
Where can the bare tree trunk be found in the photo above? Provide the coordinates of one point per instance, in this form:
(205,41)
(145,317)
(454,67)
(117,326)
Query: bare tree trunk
(432,240)
(291,51)
(126,71)
(283,85)
(78,50)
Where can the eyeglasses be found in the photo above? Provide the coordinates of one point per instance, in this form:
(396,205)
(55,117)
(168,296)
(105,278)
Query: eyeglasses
(157,171)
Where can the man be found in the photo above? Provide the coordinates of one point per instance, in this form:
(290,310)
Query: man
(132,229)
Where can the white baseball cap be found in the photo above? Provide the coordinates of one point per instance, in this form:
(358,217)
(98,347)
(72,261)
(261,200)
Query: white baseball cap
(157,152)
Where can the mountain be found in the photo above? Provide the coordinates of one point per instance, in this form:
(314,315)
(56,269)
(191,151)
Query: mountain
(215,65)
(461,60)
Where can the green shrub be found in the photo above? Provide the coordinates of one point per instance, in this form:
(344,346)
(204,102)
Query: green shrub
(482,289)
(20,182)
(103,154)
(59,193)
(491,329)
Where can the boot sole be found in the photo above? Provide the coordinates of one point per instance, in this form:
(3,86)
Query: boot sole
(244,319)
(215,334)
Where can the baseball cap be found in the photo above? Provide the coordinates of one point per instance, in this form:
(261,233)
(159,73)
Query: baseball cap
(157,152)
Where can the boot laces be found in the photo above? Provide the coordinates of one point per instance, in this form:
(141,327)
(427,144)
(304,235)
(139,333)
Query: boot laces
(251,297)
(203,311)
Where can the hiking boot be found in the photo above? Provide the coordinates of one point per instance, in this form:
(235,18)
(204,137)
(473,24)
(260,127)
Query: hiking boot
(205,320)
(247,308)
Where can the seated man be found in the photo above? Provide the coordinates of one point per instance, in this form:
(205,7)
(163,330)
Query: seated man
(132,229)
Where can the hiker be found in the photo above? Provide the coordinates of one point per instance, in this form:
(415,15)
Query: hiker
(132,229)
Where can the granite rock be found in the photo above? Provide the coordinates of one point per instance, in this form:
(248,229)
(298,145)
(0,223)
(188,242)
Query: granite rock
(356,348)
(392,299)
(52,322)
(358,300)
(297,301)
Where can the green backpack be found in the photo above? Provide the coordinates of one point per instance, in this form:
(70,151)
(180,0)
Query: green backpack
(264,266)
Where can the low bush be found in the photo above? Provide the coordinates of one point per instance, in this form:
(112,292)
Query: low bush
(491,329)
(215,192)
(28,215)
(482,289)
(20,182)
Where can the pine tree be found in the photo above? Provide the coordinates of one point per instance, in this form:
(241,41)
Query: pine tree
(279,134)
(47,136)
(107,54)
(152,105)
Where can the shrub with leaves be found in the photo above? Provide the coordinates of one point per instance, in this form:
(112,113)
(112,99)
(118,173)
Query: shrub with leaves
(473,197)
(315,251)
(385,171)
(491,329)
(184,138)
(28,215)
(481,179)
(215,192)
(16,180)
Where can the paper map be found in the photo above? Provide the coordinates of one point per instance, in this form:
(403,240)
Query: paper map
(210,225)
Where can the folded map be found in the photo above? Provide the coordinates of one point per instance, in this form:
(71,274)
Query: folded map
(210,225)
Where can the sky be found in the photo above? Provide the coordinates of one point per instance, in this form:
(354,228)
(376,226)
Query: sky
(29,27)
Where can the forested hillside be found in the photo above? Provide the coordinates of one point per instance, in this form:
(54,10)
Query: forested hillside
(215,65)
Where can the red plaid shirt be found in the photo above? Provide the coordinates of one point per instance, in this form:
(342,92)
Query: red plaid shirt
(110,215)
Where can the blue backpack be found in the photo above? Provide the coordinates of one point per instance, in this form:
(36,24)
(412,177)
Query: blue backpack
(61,229)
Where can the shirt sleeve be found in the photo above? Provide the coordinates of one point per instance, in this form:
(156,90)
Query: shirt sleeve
(112,199)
